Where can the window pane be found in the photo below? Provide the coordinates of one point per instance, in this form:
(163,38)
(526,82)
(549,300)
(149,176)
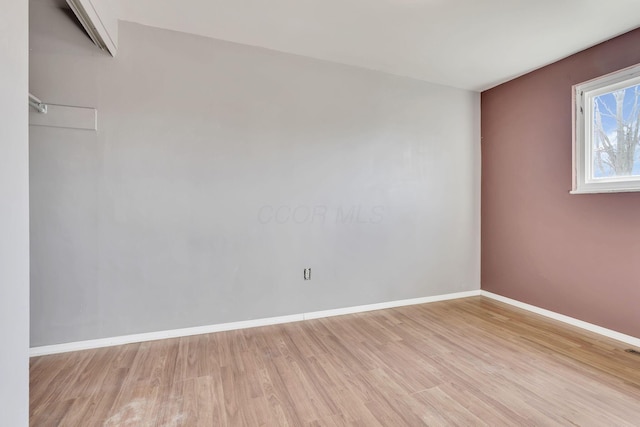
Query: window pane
(615,131)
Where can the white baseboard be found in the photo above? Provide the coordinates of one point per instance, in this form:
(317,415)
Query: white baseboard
(628,339)
(184,332)
(390,304)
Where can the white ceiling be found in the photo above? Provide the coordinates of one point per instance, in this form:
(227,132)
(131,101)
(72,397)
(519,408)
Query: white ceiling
(470,44)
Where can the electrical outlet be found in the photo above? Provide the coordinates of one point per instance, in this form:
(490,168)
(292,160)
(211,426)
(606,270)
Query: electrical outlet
(307,274)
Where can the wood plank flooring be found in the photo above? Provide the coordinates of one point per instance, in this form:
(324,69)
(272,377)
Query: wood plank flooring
(468,362)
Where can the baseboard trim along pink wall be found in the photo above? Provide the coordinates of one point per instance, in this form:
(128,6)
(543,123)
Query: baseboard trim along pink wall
(623,338)
(577,255)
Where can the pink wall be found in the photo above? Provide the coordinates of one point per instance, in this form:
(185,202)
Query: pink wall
(578,255)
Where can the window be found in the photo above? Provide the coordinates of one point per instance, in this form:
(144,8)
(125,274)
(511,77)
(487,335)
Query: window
(606,139)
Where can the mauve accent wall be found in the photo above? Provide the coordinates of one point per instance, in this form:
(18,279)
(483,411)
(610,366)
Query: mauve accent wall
(578,255)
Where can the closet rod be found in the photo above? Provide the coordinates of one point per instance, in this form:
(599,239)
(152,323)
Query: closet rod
(37,104)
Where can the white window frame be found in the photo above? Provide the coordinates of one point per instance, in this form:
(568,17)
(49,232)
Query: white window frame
(583,95)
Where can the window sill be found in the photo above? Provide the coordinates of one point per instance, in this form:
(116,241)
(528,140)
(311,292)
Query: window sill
(605,190)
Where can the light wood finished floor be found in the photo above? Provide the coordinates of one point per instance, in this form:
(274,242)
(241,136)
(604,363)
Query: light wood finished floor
(464,362)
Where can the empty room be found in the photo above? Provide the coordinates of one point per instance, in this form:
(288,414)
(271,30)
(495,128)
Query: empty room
(320,213)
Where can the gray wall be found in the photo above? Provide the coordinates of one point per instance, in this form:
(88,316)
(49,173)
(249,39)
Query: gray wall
(220,171)
(14,216)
